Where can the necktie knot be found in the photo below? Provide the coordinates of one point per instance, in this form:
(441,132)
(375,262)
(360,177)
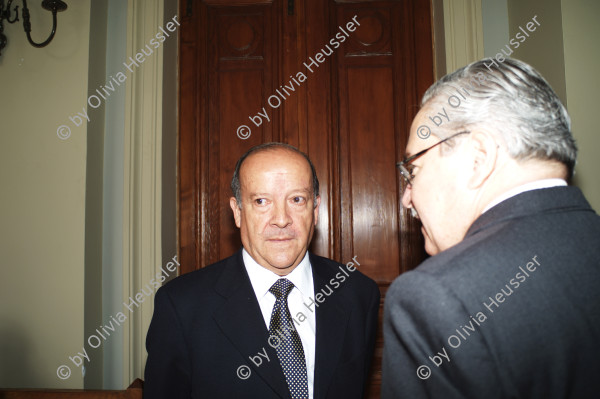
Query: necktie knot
(281,289)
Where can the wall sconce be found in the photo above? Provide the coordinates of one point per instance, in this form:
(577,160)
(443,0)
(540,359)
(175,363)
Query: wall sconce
(50,5)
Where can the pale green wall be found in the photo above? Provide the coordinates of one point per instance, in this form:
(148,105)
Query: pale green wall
(61,204)
(494,14)
(543,49)
(581,35)
(42,200)
(565,49)
(112,212)
(93,284)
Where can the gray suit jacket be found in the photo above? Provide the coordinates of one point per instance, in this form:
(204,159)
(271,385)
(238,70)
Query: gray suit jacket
(512,311)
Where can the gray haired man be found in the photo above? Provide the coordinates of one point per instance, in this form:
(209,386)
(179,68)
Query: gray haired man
(508,306)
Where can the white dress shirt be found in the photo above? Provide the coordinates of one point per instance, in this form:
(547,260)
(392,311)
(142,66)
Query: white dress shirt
(534,185)
(302,278)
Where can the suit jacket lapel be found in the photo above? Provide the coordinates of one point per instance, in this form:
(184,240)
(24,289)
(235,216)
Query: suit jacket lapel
(241,321)
(332,319)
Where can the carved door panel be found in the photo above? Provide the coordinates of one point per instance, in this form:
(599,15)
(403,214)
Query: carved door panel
(338,79)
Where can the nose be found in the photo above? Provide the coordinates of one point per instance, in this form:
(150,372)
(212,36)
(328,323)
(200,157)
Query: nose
(406,197)
(281,217)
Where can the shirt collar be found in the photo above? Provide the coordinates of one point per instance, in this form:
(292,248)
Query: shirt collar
(262,279)
(534,185)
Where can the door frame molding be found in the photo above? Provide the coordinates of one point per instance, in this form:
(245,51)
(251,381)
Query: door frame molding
(142,252)
(458,34)
(142,188)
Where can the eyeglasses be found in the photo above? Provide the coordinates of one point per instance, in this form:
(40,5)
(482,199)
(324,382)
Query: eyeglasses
(406,168)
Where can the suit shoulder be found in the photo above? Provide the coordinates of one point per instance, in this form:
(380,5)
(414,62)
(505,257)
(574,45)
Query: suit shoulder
(330,269)
(197,281)
(415,285)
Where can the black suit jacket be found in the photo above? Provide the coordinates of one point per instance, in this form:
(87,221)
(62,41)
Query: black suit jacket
(207,323)
(540,338)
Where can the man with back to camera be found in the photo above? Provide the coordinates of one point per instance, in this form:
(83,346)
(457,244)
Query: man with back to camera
(271,321)
(508,306)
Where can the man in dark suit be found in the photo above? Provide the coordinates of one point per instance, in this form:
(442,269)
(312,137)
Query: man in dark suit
(508,306)
(271,321)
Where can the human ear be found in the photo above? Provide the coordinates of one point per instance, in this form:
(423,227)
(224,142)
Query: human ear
(316,210)
(237,211)
(484,157)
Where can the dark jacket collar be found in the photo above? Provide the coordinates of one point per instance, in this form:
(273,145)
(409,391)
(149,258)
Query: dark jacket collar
(563,198)
(241,320)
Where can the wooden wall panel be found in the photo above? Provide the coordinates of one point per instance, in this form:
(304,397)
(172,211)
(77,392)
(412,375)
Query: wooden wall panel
(351,116)
(189,189)
(242,65)
(315,117)
(372,191)
(379,76)
(368,94)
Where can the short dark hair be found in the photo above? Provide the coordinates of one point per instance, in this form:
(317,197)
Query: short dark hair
(235,180)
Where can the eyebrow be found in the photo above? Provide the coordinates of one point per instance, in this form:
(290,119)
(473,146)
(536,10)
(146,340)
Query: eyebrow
(297,190)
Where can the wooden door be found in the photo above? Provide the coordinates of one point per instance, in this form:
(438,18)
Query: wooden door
(253,71)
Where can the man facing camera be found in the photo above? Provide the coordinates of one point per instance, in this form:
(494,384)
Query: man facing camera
(271,321)
(508,306)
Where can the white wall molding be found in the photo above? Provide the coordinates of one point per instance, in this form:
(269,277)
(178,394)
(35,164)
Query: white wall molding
(142,178)
(463,32)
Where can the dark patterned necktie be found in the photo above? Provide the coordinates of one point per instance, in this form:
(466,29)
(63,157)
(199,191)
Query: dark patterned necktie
(286,341)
